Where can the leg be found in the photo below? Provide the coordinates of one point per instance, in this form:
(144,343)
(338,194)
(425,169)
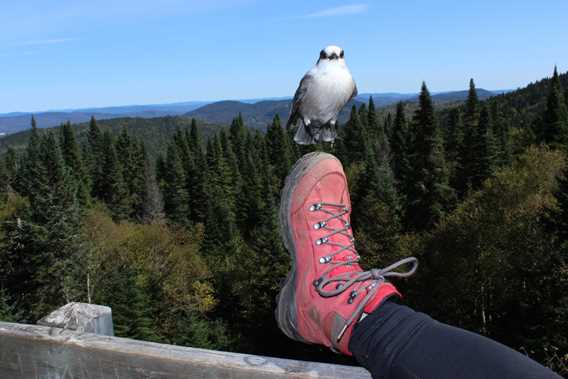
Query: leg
(398,343)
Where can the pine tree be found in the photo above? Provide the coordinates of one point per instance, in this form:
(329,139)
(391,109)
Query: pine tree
(74,162)
(501,126)
(238,135)
(454,135)
(197,177)
(51,231)
(388,125)
(484,162)
(555,118)
(376,215)
(467,155)
(452,145)
(372,121)
(114,191)
(30,163)
(8,172)
(430,194)
(355,137)
(152,203)
(280,151)
(96,158)
(400,146)
(176,199)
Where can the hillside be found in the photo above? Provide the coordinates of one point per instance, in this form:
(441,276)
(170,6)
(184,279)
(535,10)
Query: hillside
(155,132)
(256,112)
(387,99)
(256,115)
(17,121)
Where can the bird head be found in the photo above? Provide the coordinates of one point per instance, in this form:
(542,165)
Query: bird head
(332,54)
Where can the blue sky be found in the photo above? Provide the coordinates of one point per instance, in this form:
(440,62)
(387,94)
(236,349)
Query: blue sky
(75,53)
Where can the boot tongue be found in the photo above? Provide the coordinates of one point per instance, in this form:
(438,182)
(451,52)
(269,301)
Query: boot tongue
(342,240)
(343,269)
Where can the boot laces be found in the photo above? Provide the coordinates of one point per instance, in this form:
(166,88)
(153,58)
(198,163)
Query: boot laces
(346,256)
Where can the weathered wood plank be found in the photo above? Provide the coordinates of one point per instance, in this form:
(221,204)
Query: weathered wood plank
(32,351)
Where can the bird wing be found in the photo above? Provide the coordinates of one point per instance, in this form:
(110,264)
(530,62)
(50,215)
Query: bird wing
(298,97)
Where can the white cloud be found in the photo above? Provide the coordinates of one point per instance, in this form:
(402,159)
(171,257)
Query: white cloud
(342,10)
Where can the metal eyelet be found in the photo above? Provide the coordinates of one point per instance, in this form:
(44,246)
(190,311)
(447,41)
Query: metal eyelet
(321,241)
(315,207)
(317,282)
(319,225)
(352,296)
(325,259)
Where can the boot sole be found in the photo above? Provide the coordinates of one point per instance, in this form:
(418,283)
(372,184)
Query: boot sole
(285,313)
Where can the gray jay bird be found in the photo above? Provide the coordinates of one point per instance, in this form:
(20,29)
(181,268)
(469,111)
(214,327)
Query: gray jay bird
(322,93)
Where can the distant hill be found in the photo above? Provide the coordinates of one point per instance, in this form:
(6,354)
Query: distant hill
(257,112)
(16,121)
(386,99)
(256,115)
(528,101)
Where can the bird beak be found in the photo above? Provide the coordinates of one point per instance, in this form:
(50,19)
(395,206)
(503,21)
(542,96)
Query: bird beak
(333,56)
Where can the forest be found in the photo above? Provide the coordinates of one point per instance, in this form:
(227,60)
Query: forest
(183,242)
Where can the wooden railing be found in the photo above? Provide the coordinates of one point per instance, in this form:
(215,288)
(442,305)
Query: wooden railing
(76,341)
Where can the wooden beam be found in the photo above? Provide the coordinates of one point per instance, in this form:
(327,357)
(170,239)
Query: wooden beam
(33,351)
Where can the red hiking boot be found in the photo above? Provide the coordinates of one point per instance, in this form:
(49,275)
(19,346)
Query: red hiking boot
(326,291)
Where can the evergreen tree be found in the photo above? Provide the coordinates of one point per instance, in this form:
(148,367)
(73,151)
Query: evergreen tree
(454,135)
(400,144)
(280,153)
(555,118)
(176,199)
(467,154)
(30,162)
(8,171)
(48,235)
(484,161)
(377,213)
(113,189)
(501,126)
(152,203)
(355,137)
(96,158)
(372,121)
(74,162)
(388,125)
(430,194)
(452,146)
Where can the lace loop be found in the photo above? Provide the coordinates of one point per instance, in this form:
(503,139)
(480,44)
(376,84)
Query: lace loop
(347,279)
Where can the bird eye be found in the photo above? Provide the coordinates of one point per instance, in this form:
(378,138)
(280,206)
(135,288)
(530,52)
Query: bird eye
(342,54)
(323,55)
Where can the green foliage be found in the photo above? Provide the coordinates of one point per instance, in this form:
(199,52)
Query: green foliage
(355,137)
(489,266)
(402,140)
(555,118)
(177,229)
(430,194)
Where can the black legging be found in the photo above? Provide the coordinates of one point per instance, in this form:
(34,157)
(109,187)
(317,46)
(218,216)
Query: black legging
(395,342)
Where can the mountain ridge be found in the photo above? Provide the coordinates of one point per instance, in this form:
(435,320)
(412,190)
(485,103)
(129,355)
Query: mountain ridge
(260,111)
